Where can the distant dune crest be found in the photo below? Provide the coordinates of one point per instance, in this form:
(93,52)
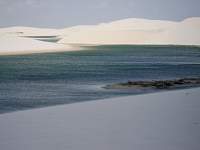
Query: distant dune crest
(137,31)
(126,31)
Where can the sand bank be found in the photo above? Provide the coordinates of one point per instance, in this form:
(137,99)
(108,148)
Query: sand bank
(166,120)
(13,45)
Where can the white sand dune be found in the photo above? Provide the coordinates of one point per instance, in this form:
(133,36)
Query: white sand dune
(21,40)
(15,40)
(11,45)
(28,31)
(136,31)
(159,121)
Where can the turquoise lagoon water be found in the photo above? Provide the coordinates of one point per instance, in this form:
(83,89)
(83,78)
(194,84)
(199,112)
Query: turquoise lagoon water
(38,80)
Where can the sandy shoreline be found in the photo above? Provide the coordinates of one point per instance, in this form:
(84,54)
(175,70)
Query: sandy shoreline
(13,45)
(40,51)
(165,120)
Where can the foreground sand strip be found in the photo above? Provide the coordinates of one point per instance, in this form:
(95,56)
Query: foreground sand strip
(166,120)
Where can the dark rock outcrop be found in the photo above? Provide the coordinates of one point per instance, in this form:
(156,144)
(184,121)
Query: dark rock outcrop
(158,84)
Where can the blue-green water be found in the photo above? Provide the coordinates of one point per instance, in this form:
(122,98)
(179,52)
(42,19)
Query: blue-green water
(39,80)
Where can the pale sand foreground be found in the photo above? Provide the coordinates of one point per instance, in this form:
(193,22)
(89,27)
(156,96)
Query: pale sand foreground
(159,121)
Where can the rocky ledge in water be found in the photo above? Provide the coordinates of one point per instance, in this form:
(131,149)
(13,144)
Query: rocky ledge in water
(157,84)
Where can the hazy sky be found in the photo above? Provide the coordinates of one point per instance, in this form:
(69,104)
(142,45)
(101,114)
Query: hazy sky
(63,13)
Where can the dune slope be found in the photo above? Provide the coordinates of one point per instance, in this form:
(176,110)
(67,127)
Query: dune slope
(19,45)
(136,31)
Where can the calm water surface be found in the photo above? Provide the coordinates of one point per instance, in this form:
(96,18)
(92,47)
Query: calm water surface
(38,80)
